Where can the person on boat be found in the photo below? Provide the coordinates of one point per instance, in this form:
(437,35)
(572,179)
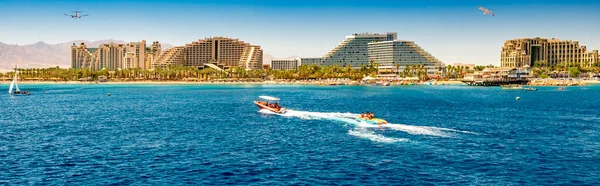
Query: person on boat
(362,115)
(372,116)
(276,105)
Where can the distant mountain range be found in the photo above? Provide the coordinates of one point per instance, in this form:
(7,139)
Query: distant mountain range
(44,55)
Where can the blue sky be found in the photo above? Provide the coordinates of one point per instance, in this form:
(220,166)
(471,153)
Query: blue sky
(448,29)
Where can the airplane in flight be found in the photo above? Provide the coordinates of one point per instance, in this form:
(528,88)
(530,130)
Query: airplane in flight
(486,11)
(77,15)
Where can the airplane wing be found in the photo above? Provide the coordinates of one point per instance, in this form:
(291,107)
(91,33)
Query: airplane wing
(85,15)
(67,15)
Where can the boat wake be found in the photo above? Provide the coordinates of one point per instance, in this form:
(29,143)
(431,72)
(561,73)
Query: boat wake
(371,135)
(360,131)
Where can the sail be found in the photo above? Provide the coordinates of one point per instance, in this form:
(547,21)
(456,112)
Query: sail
(13,83)
(11,86)
(17,83)
(17,87)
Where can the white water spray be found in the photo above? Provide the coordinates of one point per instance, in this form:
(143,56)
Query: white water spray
(371,135)
(350,119)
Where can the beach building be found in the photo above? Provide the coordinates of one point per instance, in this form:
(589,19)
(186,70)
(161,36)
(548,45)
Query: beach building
(386,50)
(152,54)
(215,52)
(310,61)
(469,66)
(222,52)
(139,51)
(497,76)
(129,60)
(173,56)
(81,56)
(354,49)
(109,56)
(526,51)
(395,55)
(285,64)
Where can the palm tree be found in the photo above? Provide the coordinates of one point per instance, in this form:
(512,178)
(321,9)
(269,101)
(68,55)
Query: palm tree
(376,65)
(424,71)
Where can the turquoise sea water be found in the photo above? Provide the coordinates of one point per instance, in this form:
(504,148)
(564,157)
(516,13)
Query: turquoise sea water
(213,134)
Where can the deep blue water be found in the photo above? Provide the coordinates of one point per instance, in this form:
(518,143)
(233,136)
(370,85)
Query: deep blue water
(213,134)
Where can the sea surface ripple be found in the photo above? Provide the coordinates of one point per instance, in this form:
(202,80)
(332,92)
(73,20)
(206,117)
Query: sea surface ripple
(213,134)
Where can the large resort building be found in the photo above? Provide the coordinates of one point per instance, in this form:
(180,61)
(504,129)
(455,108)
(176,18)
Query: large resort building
(351,51)
(354,49)
(384,49)
(526,51)
(223,52)
(218,52)
(311,61)
(110,56)
(397,54)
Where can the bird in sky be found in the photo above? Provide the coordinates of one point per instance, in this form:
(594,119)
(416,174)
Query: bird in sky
(486,11)
(77,16)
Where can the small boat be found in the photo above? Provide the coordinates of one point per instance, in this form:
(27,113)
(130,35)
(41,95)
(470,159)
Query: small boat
(562,88)
(270,104)
(385,83)
(530,88)
(15,84)
(512,87)
(374,121)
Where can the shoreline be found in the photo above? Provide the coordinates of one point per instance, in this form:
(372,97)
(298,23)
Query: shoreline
(196,83)
(317,83)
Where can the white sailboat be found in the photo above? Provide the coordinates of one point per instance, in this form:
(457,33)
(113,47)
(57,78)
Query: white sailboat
(15,84)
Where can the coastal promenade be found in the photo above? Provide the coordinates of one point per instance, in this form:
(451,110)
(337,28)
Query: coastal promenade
(561,82)
(535,82)
(281,82)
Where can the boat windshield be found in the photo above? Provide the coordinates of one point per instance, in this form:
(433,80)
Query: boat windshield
(269,98)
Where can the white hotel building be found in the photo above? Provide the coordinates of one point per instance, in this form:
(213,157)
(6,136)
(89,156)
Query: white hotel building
(285,64)
(384,49)
(389,54)
(354,49)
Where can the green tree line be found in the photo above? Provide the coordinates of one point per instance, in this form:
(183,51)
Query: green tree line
(180,72)
(543,69)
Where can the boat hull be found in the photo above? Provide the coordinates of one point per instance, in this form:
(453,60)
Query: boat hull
(374,121)
(20,93)
(263,106)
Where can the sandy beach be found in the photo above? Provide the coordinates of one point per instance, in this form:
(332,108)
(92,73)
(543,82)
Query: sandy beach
(282,82)
(591,82)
